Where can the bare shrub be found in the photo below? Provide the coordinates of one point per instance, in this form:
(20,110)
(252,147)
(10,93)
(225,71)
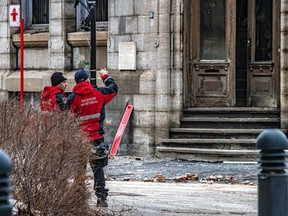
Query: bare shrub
(49,156)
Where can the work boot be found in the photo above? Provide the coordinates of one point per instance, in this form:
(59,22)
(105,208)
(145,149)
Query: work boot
(102,202)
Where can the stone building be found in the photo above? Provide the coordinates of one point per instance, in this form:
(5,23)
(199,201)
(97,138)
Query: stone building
(185,65)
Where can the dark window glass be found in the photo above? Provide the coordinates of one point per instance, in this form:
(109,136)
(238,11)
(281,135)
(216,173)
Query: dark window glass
(101,10)
(263,43)
(40,14)
(212,30)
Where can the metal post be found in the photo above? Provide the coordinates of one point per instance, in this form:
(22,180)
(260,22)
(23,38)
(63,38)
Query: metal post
(93,45)
(272,179)
(5,188)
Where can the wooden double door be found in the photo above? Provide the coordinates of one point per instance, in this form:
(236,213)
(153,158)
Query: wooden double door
(231,51)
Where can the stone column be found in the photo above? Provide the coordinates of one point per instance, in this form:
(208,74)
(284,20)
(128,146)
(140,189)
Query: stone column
(177,63)
(163,75)
(8,56)
(284,64)
(61,22)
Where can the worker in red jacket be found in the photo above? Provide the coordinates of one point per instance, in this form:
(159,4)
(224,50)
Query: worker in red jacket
(53,97)
(89,105)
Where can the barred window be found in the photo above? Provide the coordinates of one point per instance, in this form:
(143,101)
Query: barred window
(40,12)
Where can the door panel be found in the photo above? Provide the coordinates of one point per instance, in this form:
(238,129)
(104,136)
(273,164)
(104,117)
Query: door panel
(263,59)
(212,58)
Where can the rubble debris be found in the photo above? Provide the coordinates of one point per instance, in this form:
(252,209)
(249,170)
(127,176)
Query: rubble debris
(183,178)
(160,178)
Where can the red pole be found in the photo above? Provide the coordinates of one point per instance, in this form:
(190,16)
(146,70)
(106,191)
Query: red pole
(21,63)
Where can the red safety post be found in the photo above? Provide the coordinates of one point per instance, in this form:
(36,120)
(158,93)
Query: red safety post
(21,63)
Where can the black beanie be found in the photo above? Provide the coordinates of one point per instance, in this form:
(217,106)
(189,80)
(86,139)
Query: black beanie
(57,78)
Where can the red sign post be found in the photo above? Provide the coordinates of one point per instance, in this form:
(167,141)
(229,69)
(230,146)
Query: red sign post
(16,21)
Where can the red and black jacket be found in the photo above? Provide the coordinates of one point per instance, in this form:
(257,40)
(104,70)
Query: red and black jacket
(89,104)
(53,98)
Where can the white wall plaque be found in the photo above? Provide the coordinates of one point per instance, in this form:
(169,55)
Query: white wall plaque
(127,56)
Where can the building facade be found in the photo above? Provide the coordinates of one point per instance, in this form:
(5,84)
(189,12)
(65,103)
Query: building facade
(165,55)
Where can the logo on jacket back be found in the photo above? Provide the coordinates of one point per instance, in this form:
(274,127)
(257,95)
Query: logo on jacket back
(89,101)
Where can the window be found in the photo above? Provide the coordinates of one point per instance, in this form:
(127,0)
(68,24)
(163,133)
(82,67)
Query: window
(35,13)
(263,43)
(212,30)
(40,12)
(83,8)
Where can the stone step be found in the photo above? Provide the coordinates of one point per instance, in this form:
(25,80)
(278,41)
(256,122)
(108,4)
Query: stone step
(221,133)
(231,112)
(236,144)
(215,133)
(216,122)
(205,154)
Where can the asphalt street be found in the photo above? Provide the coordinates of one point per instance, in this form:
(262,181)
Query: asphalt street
(130,195)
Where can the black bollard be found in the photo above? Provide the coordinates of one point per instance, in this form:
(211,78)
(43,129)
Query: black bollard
(5,188)
(272,179)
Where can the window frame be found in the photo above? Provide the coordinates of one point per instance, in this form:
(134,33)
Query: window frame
(27,13)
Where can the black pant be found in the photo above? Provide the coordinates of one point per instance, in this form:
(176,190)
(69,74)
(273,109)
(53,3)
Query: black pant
(97,164)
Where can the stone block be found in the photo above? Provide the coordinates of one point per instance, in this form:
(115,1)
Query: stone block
(56,28)
(143,118)
(57,13)
(143,136)
(142,60)
(57,44)
(162,133)
(175,119)
(162,102)
(4,45)
(131,25)
(147,82)
(111,11)
(112,61)
(284,81)
(163,81)
(113,25)
(142,7)
(128,82)
(4,61)
(144,102)
(139,39)
(164,7)
(164,23)
(162,120)
(35,59)
(124,8)
(122,25)
(34,81)
(5,29)
(57,61)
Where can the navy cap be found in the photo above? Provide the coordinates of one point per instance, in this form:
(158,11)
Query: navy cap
(80,76)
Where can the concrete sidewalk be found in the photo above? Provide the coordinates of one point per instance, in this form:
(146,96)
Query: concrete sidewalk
(129,195)
(179,199)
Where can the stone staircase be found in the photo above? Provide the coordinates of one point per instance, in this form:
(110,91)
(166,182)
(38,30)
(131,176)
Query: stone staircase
(219,134)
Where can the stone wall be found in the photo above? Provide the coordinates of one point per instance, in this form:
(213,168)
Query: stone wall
(154,88)
(154,26)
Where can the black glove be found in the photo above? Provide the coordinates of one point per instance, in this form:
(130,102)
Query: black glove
(102,150)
